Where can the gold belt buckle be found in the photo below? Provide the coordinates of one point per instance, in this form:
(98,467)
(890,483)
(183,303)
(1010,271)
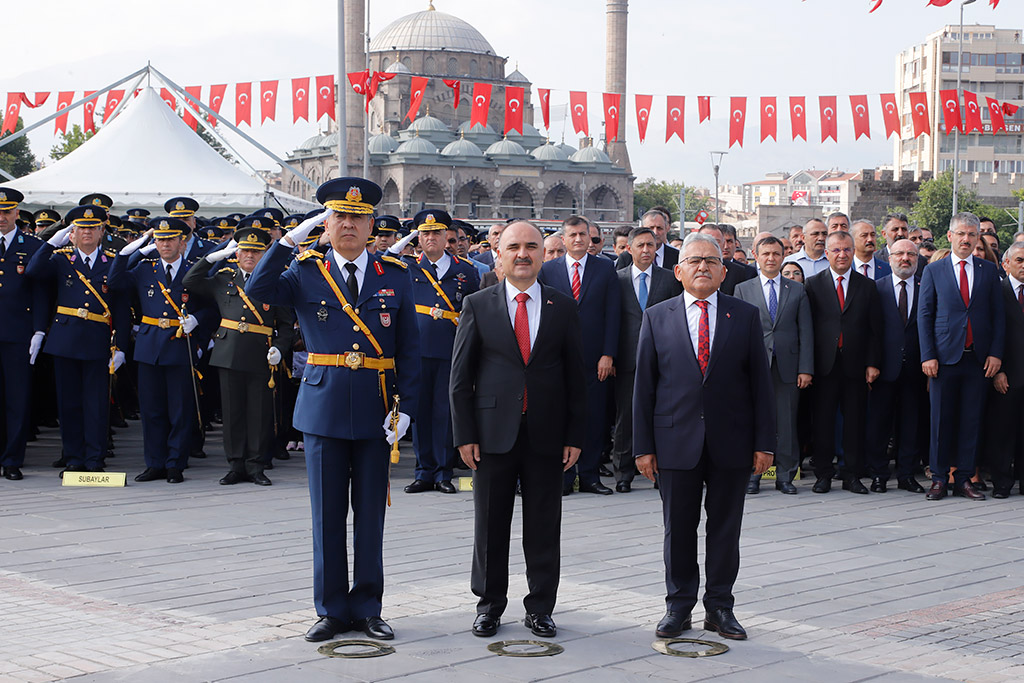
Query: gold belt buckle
(164,323)
(82,313)
(354,360)
(243,327)
(436,313)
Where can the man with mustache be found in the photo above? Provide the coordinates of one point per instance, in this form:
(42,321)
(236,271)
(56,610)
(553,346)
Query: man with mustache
(811,257)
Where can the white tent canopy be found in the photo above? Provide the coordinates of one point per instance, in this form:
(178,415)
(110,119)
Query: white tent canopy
(145,156)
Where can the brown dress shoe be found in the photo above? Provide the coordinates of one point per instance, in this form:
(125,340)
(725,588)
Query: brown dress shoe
(967,490)
(937,491)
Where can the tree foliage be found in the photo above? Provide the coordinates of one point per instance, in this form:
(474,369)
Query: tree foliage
(69,141)
(651,192)
(16,157)
(934,207)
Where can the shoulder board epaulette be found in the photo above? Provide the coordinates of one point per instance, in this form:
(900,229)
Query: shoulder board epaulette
(394,261)
(226,270)
(65,250)
(309,253)
(110,252)
(455,259)
(149,259)
(233,259)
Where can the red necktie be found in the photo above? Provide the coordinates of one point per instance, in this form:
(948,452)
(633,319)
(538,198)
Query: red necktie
(865,267)
(965,294)
(842,303)
(703,338)
(522,332)
(576,280)
(1020,297)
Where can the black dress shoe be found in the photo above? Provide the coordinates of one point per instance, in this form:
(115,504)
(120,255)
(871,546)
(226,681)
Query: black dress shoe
(878,485)
(979,485)
(623,487)
(419,486)
(673,624)
(1000,493)
(967,490)
(232,478)
(937,491)
(541,625)
(151,474)
(753,486)
(567,490)
(723,622)
(95,469)
(486,625)
(69,468)
(910,484)
(269,464)
(374,627)
(446,487)
(13,473)
(59,462)
(822,485)
(595,487)
(325,629)
(174,476)
(786,487)
(201,454)
(261,479)
(603,471)
(854,486)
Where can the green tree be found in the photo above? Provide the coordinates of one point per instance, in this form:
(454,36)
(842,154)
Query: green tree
(16,157)
(651,192)
(69,141)
(212,141)
(934,207)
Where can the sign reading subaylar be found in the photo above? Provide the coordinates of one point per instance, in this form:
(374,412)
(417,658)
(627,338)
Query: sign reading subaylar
(102,479)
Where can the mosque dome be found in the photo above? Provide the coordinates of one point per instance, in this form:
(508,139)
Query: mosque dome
(397,68)
(382,143)
(430,30)
(461,148)
(517,77)
(312,143)
(416,145)
(430,124)
(549,152)
(568,149)
(482,134)
(506,147)
(591,155)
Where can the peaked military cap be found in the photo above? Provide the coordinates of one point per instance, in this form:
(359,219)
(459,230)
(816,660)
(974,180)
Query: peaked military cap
(9,198)
(386,223)
(45,217)
(253,238)
(97,199)
(181,207)
(168,227)
(86,216)
(430,220)
(350,195)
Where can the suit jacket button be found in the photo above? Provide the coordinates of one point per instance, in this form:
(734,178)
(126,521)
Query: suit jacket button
(355,347)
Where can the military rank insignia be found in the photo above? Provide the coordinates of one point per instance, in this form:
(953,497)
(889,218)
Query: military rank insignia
(321,315)
(385,320)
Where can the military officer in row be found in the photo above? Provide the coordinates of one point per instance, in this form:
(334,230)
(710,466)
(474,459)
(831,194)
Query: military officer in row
(111,240)
(358,320)
(43,219)
(87,332)
(385,232)
(247,348)
(184,209)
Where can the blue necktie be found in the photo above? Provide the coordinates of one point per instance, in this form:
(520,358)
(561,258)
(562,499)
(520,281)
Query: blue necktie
(773,300)
(642,293)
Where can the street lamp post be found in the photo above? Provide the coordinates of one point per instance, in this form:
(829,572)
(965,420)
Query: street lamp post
(715,165)
(956,131)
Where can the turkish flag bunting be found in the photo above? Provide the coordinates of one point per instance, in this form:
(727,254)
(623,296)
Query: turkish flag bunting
(268,100)
(40,100)
(829,129)
(878,3)
(612,106)
(11,112)
(972,113)
(643,114)
(938,3)
(1009,109)
(196,91)
(419,84)
(514,108)
(890,114)
(300,99)
(325,87)
(378,78)
(216,99)
(578,107)
(861,118)
(769,118)
(481,104)
(545,106)
(994,3)
(737,119)
(951,111)
(114,98)
(996,112)
(456,86)
(919,113)
(88,125)
(703,108)
(243,103)
(63,100)
(798,117)
(167,97)
(675,117)
(359,80)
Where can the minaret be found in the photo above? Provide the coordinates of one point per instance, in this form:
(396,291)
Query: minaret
(615,74)
(355,60)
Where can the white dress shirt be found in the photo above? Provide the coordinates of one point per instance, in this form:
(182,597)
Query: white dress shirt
(92,257)
(442,264)
(174,267)
(693,313)
(766,289)
(910,291)
(970,271)
(858,265)
(569,263)
(533,307)
(635,273)
(659,256)
(360,262)
(8,239)
(846,282)
(1016,284)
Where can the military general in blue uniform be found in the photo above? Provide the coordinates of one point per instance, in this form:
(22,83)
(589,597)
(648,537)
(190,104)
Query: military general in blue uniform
(358,319)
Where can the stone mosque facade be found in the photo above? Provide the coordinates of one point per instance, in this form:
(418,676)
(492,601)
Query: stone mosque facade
(439,160)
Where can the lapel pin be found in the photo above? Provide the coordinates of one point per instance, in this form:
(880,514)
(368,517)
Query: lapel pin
(728,315)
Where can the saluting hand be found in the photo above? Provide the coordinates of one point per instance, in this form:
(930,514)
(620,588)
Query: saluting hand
(61,238)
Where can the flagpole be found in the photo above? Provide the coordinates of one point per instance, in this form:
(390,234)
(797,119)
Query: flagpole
(366,110)
(340,104)
(956,131)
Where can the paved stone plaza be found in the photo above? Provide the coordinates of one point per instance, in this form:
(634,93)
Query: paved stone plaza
(200,582)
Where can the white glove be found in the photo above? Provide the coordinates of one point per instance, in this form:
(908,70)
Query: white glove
(302,230)
(222,254)
(34,345)
(393,435)
(396,248)
(210,346)
(133,247)
(189,323)
(60,238)
(199,353)
(118,359)
(273,355)
(148,249)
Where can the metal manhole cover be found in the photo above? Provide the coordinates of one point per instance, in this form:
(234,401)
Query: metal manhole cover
(713,648)
(375,649)
(547,649)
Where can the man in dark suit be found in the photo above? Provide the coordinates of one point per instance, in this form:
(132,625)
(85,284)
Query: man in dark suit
(865,261)
(847,350)
(703,416)
(517,397)
(895,227)
(591,282)
(789,343)
(735,273)
(962,329)
(641,285)
(665,256)
(898,400)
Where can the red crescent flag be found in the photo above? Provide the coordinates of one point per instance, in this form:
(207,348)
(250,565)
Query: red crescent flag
(890,114)
(325,89)
(167,97)
(40,100)
(798,117)
(737,119)
(300,99)
(195,91)
(612,105)
(675,117)
(769,118)
(377,78)
(701,217)
(545,106)
(996,112)
(216,100)
(878,3)
(481,104)
(11,112)
(419,84)
(938,3)
(643,114)
(919,113)
(514,108)
(243,103)
(861,118)
(88,125)
(114,98)
(456,86)
(972,113)
(63,100)
(994,3)
(1009,109)
(829,129)
(268,100)
(578,107)
(951,111)
(359,80)
(703,108)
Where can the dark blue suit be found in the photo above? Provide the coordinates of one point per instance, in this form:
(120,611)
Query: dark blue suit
(341,412)
(23,309)
(600,312)
(432,433)
(958,393)
(81,347)
(881,268)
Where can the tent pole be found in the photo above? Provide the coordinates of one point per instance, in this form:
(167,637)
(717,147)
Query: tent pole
(129,94)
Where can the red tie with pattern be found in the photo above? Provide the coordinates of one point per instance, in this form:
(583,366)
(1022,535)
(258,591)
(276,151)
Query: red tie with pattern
(1020,296)
(576,280)
(522,331)
(965,294)
(703,338)
(865,268)
(842,303)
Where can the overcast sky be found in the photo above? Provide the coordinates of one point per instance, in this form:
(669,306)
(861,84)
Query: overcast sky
(720,48)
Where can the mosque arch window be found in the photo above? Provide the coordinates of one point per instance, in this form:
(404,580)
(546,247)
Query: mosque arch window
(516,202)
(428,192)
(453,66)
(428,65)
(474,68)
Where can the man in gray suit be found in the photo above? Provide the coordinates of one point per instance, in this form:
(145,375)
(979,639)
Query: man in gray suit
(789,342)
(642,284)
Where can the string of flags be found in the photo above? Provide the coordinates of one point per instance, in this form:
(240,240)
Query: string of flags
(875,4)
